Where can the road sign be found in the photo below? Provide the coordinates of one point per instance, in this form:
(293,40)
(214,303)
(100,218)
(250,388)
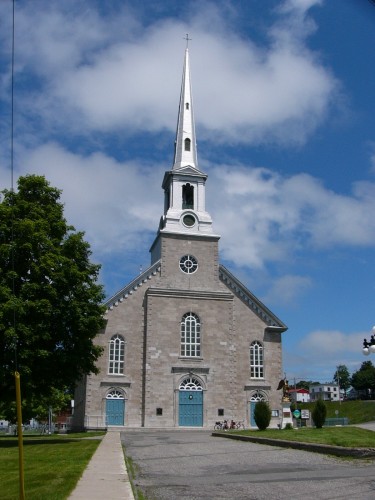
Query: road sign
(296,414)
(305,414)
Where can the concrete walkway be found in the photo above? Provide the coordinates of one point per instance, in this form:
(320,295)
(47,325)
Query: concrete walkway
(105,476)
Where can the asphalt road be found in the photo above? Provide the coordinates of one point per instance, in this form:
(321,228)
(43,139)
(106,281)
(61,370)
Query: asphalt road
(193,465)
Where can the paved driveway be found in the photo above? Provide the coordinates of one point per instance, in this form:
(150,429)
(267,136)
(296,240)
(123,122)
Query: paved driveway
(194,465)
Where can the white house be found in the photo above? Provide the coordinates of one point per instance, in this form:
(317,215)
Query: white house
(326,392)
(299,395)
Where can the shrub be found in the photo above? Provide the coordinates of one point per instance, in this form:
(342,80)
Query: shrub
(262,415)
(288,427)
(319,414)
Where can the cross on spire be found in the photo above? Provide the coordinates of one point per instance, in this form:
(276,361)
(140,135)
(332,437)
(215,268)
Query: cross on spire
(187,39)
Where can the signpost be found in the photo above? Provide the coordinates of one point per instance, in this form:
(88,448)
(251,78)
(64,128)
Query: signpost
(297,414)
(305,414)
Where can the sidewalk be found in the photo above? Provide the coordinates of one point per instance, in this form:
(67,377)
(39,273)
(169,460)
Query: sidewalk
(105,477)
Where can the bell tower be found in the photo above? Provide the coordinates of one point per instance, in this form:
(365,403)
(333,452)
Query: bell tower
(184,185)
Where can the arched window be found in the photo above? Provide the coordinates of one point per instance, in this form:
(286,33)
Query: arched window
(116,355)
(190,384)
(256,360)
(187,144)
(115,394)
(258,396)
(190,335)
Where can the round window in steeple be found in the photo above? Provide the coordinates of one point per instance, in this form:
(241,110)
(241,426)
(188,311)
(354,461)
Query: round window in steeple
(188,220)
(188,264)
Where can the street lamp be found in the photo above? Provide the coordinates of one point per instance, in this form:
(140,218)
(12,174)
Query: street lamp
(369,347)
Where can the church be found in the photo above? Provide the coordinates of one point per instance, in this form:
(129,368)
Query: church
(185,343)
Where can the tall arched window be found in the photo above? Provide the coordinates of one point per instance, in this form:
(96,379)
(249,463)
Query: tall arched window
(190,335)
(256,360)
(187,144)
(116,355)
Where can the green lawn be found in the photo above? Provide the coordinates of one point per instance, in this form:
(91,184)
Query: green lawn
(357,411)
(353,437)
(53,466)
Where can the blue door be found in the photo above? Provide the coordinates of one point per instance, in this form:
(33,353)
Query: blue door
(252,409)
(115,410)
(191,408)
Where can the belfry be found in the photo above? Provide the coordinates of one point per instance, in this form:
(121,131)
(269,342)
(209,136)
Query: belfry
(185,343)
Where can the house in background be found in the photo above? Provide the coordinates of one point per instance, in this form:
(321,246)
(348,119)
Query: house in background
(299,395)
(326,392)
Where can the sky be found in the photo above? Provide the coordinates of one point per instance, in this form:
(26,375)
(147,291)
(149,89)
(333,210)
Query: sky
(284,101)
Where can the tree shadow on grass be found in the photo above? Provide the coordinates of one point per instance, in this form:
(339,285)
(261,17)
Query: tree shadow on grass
(13,442)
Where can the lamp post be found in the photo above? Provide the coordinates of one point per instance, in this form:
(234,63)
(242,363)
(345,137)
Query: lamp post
(369,347)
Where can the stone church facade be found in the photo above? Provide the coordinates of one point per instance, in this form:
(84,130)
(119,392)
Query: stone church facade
(185,343)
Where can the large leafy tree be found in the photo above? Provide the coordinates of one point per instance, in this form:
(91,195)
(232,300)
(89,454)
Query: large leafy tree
(305,384)
(342,377)
(364,378)
(50,301)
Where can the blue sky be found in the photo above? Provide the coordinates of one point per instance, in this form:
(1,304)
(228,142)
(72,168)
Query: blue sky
(284,105)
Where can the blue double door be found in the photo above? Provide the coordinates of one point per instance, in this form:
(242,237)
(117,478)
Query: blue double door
(191,408)
(115,411)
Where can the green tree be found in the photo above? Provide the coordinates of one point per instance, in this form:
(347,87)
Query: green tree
(319,413)
(50,301)
(364,378)
(342,377)
(305,384)
(262,415)
(302,384)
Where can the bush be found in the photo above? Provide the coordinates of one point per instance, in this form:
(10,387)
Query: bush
(262,415)
(319,414)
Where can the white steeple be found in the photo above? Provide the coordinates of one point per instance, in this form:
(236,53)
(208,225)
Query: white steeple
(185,145)
(185,185)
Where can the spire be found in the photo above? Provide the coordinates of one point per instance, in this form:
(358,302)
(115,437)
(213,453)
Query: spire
(185,145)
(184,185)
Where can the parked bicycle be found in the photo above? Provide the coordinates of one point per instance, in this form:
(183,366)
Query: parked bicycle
(240,424)
(225,425)
(221,426)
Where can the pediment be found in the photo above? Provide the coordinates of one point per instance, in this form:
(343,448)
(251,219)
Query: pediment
(188,170)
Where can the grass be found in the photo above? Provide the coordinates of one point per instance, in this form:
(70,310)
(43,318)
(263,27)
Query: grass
(357,411)
(52,464)
(132,469)
(351,437)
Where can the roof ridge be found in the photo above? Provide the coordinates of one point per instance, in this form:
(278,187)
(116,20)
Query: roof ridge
(132,286)
(256,305)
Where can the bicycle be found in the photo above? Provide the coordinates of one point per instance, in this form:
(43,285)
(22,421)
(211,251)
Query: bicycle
(221,426)
(240,425)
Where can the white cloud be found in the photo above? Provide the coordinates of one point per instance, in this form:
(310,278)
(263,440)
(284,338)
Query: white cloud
(89,72)
(285,290)
(325,343)
(320,352)
(265,216)
(116,204)
(274,216)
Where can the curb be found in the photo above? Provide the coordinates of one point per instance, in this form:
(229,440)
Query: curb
(338,451)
